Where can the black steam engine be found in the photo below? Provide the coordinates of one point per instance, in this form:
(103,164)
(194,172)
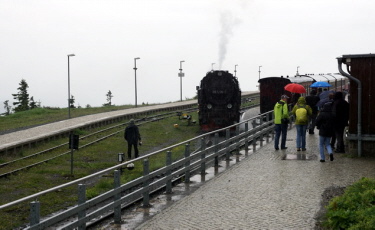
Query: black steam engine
(219,100)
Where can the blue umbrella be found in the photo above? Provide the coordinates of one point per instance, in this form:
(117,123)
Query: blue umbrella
(320,84)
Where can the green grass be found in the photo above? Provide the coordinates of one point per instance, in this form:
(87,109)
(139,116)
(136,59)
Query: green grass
(155,135)
(40,116)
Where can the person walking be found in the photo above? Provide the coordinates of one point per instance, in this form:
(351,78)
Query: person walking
(325,124)
(340,112)
(133,137)
(302,112)
(312,101)
(281,120)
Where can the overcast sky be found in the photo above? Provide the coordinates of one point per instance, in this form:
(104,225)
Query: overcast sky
(106,35)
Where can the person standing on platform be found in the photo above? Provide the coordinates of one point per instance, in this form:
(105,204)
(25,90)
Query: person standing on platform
(302,112)
(341,114)
(281,121)
(133,137)
(325,124)
(312,101)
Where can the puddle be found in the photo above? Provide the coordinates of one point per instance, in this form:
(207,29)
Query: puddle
(299,156)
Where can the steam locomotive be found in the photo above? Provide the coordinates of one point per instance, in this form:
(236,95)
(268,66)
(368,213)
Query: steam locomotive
(271,88)
(219,100)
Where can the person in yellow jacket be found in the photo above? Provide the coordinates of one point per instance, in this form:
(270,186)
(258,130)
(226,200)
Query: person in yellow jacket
(301,112)
(281,112)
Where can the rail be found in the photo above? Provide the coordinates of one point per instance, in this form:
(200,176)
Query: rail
(207,153)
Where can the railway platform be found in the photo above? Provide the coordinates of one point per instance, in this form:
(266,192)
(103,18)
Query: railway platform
(269,189)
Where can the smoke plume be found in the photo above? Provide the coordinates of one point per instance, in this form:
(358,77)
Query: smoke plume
(228,21)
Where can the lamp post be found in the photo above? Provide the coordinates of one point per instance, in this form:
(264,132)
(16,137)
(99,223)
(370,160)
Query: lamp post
(212,66)
(69,55)
(235,70)
(181,74)
(135,78)
(297,71)
(259,71)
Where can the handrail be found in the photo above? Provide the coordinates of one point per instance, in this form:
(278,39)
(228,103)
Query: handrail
(265,126)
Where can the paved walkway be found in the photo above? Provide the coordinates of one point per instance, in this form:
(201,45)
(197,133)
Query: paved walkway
(267,190)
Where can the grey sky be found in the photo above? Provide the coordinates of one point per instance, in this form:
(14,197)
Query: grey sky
(106,36)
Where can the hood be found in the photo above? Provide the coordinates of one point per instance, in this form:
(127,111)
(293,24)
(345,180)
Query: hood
(301,101)
(338,96)
(327,107)
(280,104)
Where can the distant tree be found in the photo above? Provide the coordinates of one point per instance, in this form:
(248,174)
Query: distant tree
(22,97)
(109,98)
(7,108)
(71,102)
(88,106)
(32,103)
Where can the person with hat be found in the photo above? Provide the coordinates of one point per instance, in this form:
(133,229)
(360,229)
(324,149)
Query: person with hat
(133,137)
(281,121)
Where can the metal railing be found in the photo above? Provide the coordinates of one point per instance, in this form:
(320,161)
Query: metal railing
(207,153)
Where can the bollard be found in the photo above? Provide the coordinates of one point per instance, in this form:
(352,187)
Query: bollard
(168,172)
(187,163)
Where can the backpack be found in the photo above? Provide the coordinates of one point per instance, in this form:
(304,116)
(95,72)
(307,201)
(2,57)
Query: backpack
(301,115)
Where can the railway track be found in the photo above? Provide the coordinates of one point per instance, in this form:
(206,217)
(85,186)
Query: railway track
(23,163)
(55,151)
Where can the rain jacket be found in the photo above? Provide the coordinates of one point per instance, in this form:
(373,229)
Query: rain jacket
(131,134)
(279,113)
(302,102)
(325,121)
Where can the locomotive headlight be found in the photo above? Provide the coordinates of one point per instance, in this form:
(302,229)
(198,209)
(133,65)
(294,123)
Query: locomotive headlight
(229,106)
(209,106)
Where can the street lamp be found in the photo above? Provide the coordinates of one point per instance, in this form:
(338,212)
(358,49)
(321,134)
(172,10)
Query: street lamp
(297,71)
(212,66)
(259,71)
(235,70)
(135,78)
(69,55)
(181,74)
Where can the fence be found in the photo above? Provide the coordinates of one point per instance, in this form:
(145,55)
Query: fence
(180,162)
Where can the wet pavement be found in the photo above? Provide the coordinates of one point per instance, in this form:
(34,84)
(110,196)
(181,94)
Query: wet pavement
(268,189)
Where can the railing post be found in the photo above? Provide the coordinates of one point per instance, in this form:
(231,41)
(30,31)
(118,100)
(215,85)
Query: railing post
(187,163)
(203,156)
(227,136)
(81,200)
(168,172)
(117,197)
(216,142)
(261,134)
(146,183)
(34,213)
(237,133)
(246,142)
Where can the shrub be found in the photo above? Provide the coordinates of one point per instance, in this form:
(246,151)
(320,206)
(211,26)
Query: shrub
(355,209)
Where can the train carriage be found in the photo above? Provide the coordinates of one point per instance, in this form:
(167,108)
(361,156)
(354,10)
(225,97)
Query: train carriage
(271,88)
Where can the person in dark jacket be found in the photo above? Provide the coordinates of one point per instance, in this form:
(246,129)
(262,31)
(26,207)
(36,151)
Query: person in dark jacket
(324,122)
(340,112)
(133,138)
(312,101)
